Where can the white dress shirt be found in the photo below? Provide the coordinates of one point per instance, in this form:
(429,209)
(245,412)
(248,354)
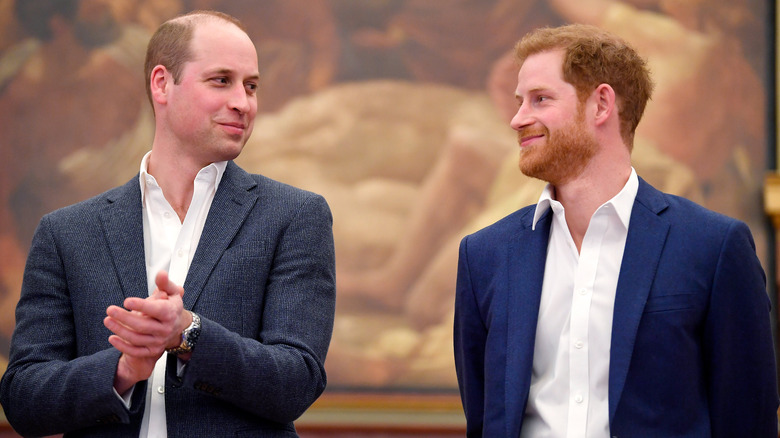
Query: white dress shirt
(570,380)
(170,245)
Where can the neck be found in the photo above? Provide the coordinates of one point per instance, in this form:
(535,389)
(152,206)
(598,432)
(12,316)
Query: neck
(176,177)
(584,194)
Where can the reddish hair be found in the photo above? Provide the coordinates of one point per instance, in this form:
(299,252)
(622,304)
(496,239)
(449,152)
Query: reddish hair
(593,57)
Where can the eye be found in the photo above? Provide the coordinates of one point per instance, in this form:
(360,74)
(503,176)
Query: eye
(221,80)
(251,88)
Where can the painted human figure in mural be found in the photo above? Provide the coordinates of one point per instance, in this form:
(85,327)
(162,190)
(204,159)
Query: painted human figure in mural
(62,94)
(715,164)
(460,177)
(693,49)
(296,44)
(405,216)
(403,283)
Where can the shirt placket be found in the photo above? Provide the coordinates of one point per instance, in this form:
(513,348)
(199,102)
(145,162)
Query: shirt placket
(579,341)
(167,221)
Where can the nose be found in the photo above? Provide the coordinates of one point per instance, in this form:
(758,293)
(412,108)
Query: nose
(521,118)
(240,100)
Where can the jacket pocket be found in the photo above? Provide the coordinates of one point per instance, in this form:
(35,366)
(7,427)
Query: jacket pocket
(670,303)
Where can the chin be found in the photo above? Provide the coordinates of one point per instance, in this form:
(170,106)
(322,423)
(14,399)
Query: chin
(231,151)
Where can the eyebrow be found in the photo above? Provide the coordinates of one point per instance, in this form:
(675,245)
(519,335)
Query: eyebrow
(229,72)
(541,89)
(535,90)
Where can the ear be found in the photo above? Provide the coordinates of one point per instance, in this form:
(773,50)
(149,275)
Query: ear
(160,80)
(604,99)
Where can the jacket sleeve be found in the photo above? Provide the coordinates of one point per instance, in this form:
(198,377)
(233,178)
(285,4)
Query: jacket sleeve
(46,389)
(738,345)
(469,341)
(279,372)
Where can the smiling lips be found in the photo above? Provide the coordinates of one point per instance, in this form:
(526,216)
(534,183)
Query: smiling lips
(234,127)
(525,138)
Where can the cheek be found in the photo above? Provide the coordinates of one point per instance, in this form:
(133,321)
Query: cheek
(207,105)
(250,128)
(253,107)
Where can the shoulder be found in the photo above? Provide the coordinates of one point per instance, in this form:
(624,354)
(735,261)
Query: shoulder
(689,224)
(493,239)
(283,191)
(682,212)
(508,225)
(272,194)
(88,209)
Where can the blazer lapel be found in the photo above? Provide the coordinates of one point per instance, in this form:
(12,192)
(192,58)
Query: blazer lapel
(232,203)
(526,261)
(645,241)
(122,220)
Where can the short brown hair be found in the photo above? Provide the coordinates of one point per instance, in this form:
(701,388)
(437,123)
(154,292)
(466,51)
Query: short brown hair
(170,44)
(593,57)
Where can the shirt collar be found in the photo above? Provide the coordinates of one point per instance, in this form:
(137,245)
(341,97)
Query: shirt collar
(623,202)
(145,177)
(543,204)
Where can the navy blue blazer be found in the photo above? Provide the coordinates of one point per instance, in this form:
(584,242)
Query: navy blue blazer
(262,280)
(691,351)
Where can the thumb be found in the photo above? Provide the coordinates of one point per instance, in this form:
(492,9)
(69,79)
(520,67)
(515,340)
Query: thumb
(164,284)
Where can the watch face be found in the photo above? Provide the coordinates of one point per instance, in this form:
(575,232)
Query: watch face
(192,332)
(191,336)
(188,337)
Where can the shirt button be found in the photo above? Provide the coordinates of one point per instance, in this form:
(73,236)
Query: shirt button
(578,398)
(583,291)
(180,253)
(167,214)
(579,344)
(161,390)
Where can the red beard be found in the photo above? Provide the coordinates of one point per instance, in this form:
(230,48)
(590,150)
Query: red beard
(563,156)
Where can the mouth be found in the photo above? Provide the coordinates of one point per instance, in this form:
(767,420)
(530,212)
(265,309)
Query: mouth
(527,140)
(235,128)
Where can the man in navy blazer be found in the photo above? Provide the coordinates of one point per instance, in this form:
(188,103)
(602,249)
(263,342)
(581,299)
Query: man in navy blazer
(135,322)
(608,308)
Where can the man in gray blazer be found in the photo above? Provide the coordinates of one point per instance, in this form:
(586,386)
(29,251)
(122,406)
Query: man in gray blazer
(195,300)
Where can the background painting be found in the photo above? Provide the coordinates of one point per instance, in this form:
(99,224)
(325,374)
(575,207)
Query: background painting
(397,112)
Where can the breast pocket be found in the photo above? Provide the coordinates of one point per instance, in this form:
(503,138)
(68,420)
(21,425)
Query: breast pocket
(670,303)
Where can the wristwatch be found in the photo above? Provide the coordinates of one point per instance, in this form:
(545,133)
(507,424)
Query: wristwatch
(188,337)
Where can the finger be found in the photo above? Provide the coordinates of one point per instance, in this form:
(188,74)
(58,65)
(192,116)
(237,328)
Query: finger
(164,284)
(136,343)
(161,309)
(131,313)
(134,350)
(136,322)
(131,336)
(134,303)
(159,320)
(161,278)
(124,315)
(113,309)
(158,294)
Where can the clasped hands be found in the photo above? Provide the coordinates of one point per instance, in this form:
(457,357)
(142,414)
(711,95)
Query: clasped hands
(144,328)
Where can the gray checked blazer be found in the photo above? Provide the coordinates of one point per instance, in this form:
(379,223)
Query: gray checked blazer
(262,280)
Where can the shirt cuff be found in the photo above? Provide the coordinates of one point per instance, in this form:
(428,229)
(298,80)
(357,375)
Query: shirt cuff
(127,397)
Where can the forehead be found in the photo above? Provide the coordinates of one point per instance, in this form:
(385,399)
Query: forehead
(221,45)
(541,70)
